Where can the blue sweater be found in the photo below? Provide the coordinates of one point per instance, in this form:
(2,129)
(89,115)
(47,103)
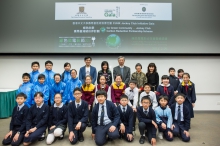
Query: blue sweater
(44,89)
(58,88)
(164,115)
(27,88)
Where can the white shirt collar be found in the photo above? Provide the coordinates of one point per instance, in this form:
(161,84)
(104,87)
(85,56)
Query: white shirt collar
(121,66)
(20,106)
(103,104)
(40,105)
(78,103)
(146,110)
(61,105)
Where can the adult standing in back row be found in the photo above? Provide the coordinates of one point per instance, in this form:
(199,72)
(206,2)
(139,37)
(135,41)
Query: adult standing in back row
(123,70)
(152,76)
(87,70)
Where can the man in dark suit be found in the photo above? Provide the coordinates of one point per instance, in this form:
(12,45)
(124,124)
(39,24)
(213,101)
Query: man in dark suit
(87,70)
(123,70)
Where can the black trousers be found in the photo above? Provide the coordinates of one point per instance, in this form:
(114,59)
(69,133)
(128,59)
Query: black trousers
(90,114)
(78,133)
(135,114)
(148,127)
(9,140)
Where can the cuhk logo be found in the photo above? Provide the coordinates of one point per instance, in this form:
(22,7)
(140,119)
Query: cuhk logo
(143,9)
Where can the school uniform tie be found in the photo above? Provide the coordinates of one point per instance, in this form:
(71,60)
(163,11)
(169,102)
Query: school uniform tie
(179,115)
(123,110)
(146,113)
(77,106)
(17,108)
(102,116)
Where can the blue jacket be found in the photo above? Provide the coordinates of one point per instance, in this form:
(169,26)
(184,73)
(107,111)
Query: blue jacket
(66,76)
(49,80)
(166,91)
(70,86)
(42,88)
(82,74)
(164,115)
(27,88)
(34,76)
(112,112)
(58,88)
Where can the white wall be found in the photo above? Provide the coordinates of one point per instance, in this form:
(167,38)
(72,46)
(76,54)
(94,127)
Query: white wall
(204,71)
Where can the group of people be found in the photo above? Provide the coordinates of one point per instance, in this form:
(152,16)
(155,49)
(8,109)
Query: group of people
(52,100)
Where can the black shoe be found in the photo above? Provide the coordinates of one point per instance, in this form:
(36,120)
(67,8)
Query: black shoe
(89,124)
(41,139)
(81,137)
(109,139)
(142,140)
(61,137)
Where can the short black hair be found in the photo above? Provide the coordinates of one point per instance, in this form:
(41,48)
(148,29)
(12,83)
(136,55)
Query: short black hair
(39,93)
(77,89)
(26,75)
(123,96)
(40,76)
(87,57)
(57,74)
(147,84)
(101,92)
(48,62)
(138,64)
(180,70)
(180,94)
(74,70)
(165,77)
(35,62)
(133,81)
(59,94)
(21,94)
(163,97)
(67,63)
(171,69)
(118,75)
(185,73)
(147,97)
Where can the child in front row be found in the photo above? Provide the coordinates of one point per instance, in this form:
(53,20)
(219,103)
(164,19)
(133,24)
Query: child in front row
(18,122)
(126,119)
(151,94)
(164,119)
(181,118)
(147,121)
(77,117)
(37,120)
(57,119)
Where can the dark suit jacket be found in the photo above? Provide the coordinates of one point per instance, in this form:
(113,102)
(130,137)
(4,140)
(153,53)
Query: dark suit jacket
(77,115)
(82,74)
(126,74)
(186,116)
(112,112)
(126,119)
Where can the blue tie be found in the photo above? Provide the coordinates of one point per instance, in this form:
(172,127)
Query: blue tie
(102,116)
(179,115)
(122,71)
(123,110)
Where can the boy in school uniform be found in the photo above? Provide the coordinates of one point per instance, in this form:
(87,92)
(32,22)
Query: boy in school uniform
(174,81)
(27,89)
(105,119)
(35,72)
(132,93)
(164,119)
(147,121)
(181,118)
(151,94)
(126,119)
(117,89)
(42,87)
(18,121)
(37,120)
(77,117)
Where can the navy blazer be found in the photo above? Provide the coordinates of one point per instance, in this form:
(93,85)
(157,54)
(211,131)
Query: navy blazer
(18,118)
(186,116)
(127,119)
(77,115)
(112,112)
(37,118)
(82,74)
(58,117)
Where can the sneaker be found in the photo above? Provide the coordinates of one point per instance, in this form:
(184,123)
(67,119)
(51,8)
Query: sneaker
(142,140)
(160,135)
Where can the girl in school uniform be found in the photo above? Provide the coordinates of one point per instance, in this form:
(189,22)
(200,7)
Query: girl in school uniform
(103,86)
(57,120)
(180,73)
(66,76)
(152,76)
(187,88)
(88,92)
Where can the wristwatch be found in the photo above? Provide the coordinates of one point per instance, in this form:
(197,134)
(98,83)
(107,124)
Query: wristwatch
(18,132)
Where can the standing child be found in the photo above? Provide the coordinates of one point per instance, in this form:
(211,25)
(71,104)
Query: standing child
(165,89)
(42,87)
(150,94)
(188,89)
(180,74)
(26,88)
(88,92)
(105,119)
(174,81)
(35,72)
(132,93)
(117,89)
(152,76)
(66,76)
(58,87)
(126,119)
(147,121)
(57,119)
(77,117)
(37,119)
(103,86)
(18,122)
(164,119)
(181,118)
